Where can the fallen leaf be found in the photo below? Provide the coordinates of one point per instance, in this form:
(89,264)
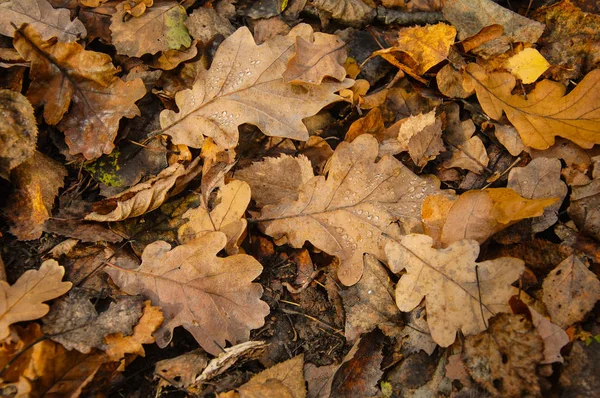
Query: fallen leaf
(540,179)
(117,345)
(459,293)
(276,179)
(74,322)
(469,155)
(509,137)
(319,380)
(449,82)
(24,300)
(65,75)
(226,216)
(416,335)
(413,125)
(554,337)
(546,111)
(160,28)
(37,180)
(503,359)
(205,23)
(265,29)
(245,85)
(485,35)
(584,208)
(371,124)
(349,12)
(426,144)
(470,17)
(579,376)
(426,45)
(18,133)
(146,196)
(289,378)
(528,65)
(370,303)
(180,371)
(319,56)
(347,213)
(42,17)
(570,292)
(230,356)
(171,59)
(221,303)
(479,214)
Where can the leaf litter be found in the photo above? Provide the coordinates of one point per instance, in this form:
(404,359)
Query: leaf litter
(320,223)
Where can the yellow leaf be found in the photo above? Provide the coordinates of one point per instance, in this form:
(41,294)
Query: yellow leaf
(527,65)
(546,111)
(427,45)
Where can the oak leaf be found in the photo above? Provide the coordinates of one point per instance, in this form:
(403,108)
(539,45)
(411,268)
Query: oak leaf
(285,379)
(145,196)
(352,210)
(546,111)
(459,293)
(226,216)
(212,297)
(65,75)
(24,300)
(43,17)
(245,85)
(160,28)
(570,291)
(180,371)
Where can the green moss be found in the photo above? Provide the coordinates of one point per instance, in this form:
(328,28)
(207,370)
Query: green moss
(105,169)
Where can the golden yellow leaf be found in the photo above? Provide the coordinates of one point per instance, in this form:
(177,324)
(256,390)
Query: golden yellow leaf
(546,111)
(24,300)
(427,45)
(527,65)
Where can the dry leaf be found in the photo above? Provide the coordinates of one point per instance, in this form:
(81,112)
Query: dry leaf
(205,23)
(347,213)
(230,356)
(276,179)
(479,214)
(18,132)
(221,303)
(546,111)
(503,359)
(528,65)
(170,59)
(426,144)
(469,155)
(319,56)
(371,124)
(416,335)
(509,137)
(42,17)
(117,345)
(146,196)
(37,180)
(553,336)
(459,293)
(449,82)
(288,374)
(584,209)
(180,371)
(570,291)
(349,12)
(426,45)
(540,179)
(160,28)
(24,300)
(319,380)
(245,85)
(411,126)
(65,75)
(226,216)
(74,322)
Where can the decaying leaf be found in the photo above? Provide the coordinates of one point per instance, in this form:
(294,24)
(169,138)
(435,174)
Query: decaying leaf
(546,111)
(18,132)
(570,291)
(24,300)
(145,196)
(245,85)
(65,75)
(205,23)
(584,209)
(181,370)
(350,12)
(226,216)
(347,213)
(503,359)
(540,179)
(286,379)
(231,356)
(528,65)
(43,17)
(478,214)
(160,28)
(459,293)
(554,337)
(37,180)
(416,335)
(219,301)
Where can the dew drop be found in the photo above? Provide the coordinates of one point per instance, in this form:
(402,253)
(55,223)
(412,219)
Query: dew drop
(369,234)
(376,218)
(369,217)
(345,237)
(347,192)
(411,189)
(346,198)
(359,211)
(339,230)
(354,246)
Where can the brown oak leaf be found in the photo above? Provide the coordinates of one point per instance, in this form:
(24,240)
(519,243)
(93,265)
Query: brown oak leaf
(212,297)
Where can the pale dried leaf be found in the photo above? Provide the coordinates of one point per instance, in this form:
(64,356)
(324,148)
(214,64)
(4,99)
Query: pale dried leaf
(42,17)
(459,293)
(319,380)
(509,137)
(554,337)
(426,144)
(221,302)
(354,209)
(412,125)
(416,335)
(24,300)
(546,111)
(181,370)
(570,291)
(470,155)
(230,356)
(449,82)
(289,373)
(18,132)
(528,65)
(584,209)
(245,85)
(349,12)
(426,45)
(276,179)
(145,196)
(226,216)
(160,28)
(540,179)
(205,23)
